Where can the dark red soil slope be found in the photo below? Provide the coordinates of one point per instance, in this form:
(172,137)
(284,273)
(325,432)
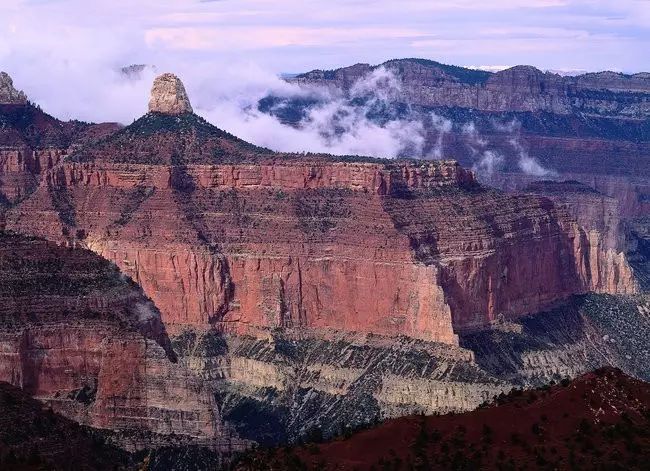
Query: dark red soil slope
(599,421)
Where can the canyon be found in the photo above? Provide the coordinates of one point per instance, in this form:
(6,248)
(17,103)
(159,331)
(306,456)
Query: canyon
(282,242)
(173,284)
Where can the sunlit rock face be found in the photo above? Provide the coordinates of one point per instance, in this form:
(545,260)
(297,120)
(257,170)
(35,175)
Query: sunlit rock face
(222,236)
(168,96)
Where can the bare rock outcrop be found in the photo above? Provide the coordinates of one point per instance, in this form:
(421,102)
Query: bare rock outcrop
(9,94)
(168,96)
(603,245)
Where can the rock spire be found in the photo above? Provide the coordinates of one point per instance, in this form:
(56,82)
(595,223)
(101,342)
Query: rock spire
(8,94)
(168,96)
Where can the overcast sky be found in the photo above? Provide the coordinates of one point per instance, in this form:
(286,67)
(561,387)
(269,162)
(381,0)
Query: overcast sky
(56,40)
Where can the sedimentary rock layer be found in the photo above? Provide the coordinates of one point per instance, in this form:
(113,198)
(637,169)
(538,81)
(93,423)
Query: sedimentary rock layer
(81,337)
(286,385)
(392,248)
(591,409)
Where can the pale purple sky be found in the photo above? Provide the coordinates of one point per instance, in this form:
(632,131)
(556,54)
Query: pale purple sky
(61,51)
(288,35)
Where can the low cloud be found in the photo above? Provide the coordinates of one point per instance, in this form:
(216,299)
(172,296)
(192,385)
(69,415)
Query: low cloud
(337,124)
(442,126)
(527,164)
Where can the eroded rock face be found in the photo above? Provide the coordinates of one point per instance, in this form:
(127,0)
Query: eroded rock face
(168,96)
(9,94)
(332,260)
(392,248)
(599,219)
(565,408)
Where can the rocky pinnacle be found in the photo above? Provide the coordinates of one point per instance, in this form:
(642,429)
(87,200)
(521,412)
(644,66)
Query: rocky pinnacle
(168,96)
(8,94)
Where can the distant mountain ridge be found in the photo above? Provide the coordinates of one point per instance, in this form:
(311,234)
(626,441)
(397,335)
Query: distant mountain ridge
(427,73)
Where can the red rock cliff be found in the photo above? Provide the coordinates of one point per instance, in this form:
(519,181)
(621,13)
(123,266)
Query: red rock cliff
(397,248)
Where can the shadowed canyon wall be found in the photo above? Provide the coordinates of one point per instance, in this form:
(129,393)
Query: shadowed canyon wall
(79,336)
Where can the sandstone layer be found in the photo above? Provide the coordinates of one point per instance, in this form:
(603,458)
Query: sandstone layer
(81,343)
(599,217)
(286,386)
